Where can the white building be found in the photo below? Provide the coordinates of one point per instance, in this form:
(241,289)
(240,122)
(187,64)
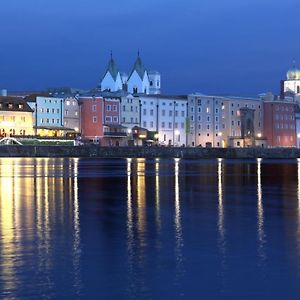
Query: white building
(166,115)
(139,81)
(292,84)
(216,121)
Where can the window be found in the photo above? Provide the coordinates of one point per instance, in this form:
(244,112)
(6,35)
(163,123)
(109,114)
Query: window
(114,107)
(42,121)
(66,112)
(199,118)
(151,124)
(57,111)
(57,121)
(232,123)
(208,119)
(199,101)
(53,110)
(123,120)
(144,111)
(108,107)
(238,123)
(208,126)
(151,112)
(42,110)
(76,113)
(170,113)
(207,110)
(217,110)
(131,108)
(108,119)
(182,113)
(10,105)
(94,119)
(176,113)
(162,124)
(68,102)
(115,119)
(48,110)
(145,124)
(163,112)
(170,125)
(20,106)
(176,125)
(199,126)
(217,119)
(94,108)
(124,108)
(53,121)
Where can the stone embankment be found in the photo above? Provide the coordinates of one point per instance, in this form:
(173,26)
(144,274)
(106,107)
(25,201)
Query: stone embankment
(147,152)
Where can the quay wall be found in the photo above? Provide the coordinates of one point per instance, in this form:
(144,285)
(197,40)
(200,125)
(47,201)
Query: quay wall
(147,152)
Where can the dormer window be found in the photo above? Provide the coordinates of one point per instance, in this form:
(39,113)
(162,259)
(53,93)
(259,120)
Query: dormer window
(21,106)
(10,105)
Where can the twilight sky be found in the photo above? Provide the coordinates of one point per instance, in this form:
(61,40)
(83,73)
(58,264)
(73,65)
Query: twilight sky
(238,47)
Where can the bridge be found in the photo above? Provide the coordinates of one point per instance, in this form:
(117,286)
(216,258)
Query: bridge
(9,141)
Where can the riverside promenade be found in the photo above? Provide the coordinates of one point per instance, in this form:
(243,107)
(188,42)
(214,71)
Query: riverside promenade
(94,151)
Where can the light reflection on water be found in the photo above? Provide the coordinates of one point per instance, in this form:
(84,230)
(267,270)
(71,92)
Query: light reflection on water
(163,228)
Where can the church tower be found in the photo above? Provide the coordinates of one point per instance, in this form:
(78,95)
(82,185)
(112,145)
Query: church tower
(292,84)
(138,80)
(111,80)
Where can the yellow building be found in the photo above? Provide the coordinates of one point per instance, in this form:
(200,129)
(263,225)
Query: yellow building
(15,117)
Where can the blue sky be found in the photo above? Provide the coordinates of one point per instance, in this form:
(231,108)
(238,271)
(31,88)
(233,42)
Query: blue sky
(211,46)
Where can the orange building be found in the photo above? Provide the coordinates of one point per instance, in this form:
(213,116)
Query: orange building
(100,121)
(279,123)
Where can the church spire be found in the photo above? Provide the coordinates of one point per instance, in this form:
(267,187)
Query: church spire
(112,67)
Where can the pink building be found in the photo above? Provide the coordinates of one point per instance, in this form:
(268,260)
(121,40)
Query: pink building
(279,123)
(100,121)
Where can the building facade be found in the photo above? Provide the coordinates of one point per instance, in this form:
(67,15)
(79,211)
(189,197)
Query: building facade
(48,114)
(71,116)
(16,117)
(167,116)
(216,121)
(280,123)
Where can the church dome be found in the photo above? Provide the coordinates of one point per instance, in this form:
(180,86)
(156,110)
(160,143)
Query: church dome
(293,74)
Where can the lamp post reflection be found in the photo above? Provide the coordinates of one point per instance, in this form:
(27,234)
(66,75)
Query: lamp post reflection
(157,195)
(130,238)
(35,199)
(7,211)
(220,202)
(77,241)
(260,215)
(178,228)
(221,225)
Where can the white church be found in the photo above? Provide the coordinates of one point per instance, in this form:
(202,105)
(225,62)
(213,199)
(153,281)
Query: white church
(292,84)
(140,80)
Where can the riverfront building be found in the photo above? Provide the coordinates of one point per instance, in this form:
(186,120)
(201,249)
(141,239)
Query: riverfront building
(166,116)
(216,121)
(48,114)
(71,116)
(280,122)
(100,120)
(15,117)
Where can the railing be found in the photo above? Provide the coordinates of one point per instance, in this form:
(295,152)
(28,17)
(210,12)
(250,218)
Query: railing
(115,134)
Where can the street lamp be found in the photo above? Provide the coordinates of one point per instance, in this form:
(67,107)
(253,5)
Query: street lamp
(177,133)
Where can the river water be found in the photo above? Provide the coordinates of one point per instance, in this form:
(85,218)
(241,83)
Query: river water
(149,229)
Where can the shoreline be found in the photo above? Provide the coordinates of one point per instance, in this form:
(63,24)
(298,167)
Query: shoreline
(94,151)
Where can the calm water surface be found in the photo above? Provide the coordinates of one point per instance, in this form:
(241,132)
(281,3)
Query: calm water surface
(149,229)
